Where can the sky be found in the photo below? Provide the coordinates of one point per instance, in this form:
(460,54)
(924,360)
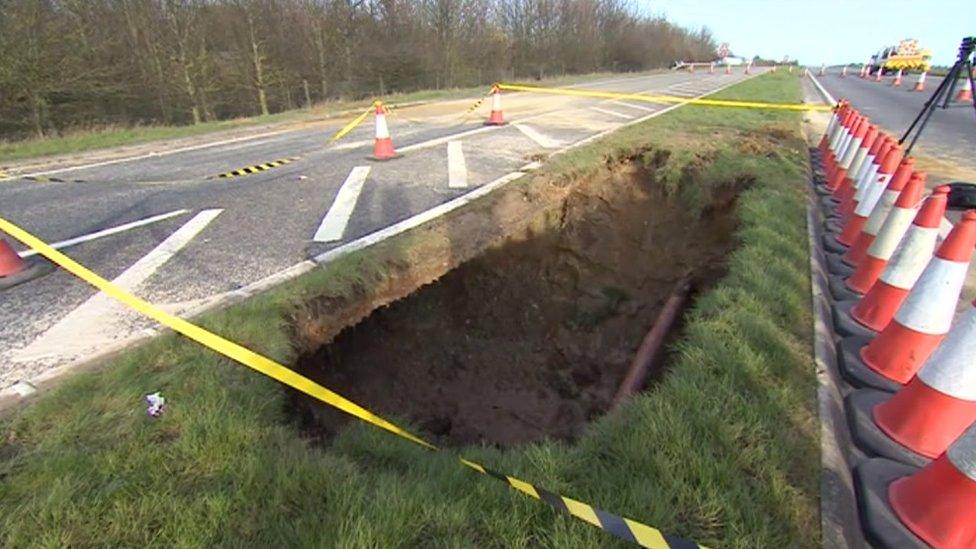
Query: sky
(824,31)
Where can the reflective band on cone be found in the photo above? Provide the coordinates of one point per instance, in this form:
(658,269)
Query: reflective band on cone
(840,111)
(883,246)
(938,503)
(844,146)
(862,156)
(867,171)
(835,142)
(872,193)
(897,80)
(876,309)
(940,402)
(879,213)
(926,315)
(850,152)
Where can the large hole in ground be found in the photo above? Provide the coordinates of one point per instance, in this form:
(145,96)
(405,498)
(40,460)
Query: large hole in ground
(532,338)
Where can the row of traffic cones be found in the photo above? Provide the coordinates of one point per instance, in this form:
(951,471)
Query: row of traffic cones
(911,371)
(965,93)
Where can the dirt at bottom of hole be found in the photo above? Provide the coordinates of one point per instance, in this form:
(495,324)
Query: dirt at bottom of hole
(530,339)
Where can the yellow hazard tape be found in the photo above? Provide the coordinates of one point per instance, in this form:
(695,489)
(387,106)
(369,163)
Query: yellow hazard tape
(666,98)
(352,125)
(248,170)
(620,527)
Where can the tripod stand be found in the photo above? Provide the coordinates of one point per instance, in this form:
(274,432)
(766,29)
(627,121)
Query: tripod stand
(944,92)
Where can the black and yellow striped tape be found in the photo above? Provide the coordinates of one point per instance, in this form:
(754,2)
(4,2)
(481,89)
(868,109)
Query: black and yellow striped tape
(620,527)
(248,170)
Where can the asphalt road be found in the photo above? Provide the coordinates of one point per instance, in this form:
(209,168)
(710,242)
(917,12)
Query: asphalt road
(265,221)
(950,134)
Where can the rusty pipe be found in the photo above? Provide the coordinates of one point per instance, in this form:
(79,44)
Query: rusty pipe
(650,346)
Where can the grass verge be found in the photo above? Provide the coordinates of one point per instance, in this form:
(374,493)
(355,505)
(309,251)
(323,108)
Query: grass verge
(723,450)
(89,140)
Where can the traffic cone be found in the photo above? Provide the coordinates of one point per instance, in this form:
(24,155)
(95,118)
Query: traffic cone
(865,155)
(873,190)
(383,144)
(728,69)
(907,262)
(894,228)
(851,195)
(897,80)
(496,118)
(877,75)
(880,212)
(790,68)
(864,71)
(843,72)
(939,403)
(711,68)
(691,68)
(774,68)
(966,92)
(748,69)
(926,315)
(920,83)
(848,150)
(823,70)
(935,506)
(806,71)
(10,263)
(840,148)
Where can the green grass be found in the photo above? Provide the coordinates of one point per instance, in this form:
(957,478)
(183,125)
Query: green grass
(104,138)
(724,450)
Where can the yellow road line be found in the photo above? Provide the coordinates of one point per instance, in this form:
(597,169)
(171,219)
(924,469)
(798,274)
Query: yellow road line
(666,98)
(621,527)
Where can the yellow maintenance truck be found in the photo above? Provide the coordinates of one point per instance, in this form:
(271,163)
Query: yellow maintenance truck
(907,56)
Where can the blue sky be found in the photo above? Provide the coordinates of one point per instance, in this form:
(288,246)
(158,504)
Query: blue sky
(824,31)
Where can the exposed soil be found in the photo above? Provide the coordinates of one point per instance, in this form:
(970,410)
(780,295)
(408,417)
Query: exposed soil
(530,339)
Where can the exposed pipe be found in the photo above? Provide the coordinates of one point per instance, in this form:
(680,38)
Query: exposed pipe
(650,347)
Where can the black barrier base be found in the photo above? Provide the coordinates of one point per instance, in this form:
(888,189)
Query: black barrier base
(856,372)
(837,266)
(844,323)
(36,268)
(828,203)
(834,225)
(868,436)
(831,245)
(881,526)
(822,190)
(839,290)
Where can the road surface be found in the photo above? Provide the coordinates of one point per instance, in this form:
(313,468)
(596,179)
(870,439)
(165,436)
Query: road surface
(218,235)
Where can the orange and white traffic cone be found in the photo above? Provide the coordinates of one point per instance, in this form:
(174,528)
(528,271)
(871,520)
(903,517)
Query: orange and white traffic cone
(774,68)
(10,263)
(926,315)
(897,80)
(748,69)
(884,244)
(966,92)
(711,68)
(790,69)
(865,154)
(691,68)
(864,71)
(872,192)
(823,70)
(848,152)
(15,270)
(806,71)
(496,118)
(920,83)
(383,143)
(877,75)
(843,72)
(935,506)
(880,212)
(728,69)
(909,258)
(939,403)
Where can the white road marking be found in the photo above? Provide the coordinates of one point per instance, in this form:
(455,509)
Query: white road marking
(107,232)
(633,106)
(542,140)
(351,145)
(335,220)
(613,113)
(100,320)
(457,171)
